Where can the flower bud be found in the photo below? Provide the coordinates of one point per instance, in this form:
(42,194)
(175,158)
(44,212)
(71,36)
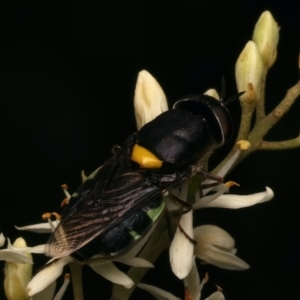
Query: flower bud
(2,239)
(213,93)
(17,276)
(249,70)
(149,99)
(266,36)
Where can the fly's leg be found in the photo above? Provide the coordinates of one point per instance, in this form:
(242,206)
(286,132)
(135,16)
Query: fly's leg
(206,175)
(185,208)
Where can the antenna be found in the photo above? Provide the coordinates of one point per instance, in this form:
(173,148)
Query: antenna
(232,98)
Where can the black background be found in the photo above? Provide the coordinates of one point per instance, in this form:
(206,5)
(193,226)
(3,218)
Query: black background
(67,78)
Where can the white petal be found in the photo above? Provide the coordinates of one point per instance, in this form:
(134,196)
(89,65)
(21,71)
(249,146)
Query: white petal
(157,292)
(14,256)
(216,246)
(47,275)
(2,239)
(212,235)
(135,262)
(181,249)
(192,282)
(39,228)
(207,200)
(216,296)
(39,249)
(149,99)
(113,274)
(239,201)
(221,259)
(47,293)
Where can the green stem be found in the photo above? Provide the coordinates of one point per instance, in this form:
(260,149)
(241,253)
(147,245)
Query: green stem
(289,144)
(76,276)
(261,127)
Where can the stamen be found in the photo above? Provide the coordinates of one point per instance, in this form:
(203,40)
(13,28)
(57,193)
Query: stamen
(64,202)
(219,289)
(48,217)
(231,183)
(64,186)
(204,281)
(56,215)
(63,288)
(65,189)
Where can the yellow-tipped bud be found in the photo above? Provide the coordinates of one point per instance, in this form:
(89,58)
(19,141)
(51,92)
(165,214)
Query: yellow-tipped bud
(266,36)
(17,276)
(149,99)
(213,93)
(249,70)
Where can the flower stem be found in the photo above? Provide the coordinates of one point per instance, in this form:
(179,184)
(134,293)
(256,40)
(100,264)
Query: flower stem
(262,126)
(76,275)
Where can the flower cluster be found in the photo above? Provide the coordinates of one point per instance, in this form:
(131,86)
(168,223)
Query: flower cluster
(208,243)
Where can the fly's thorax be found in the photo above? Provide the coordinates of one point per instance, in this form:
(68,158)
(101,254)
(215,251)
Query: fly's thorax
(176,136)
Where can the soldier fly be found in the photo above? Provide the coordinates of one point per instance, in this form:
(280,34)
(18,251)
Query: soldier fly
(120,201)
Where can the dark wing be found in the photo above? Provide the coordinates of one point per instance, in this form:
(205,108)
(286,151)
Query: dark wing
(119,189)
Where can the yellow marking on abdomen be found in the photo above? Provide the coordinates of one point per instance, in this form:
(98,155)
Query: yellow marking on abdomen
(145,158)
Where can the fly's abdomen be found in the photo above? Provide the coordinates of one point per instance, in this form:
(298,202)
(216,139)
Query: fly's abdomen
(123,236)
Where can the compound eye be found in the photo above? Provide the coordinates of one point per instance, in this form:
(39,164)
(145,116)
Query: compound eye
(225,123)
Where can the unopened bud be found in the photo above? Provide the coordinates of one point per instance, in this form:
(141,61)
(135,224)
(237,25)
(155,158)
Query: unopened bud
(17,276)
(266,36)
(213,93)
(149,99)
(249,70)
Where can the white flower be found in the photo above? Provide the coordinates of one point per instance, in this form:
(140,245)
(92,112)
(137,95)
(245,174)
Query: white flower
(181,250)
(216,246)
(14,255)
(17,275)
(149,99)
(54,268)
